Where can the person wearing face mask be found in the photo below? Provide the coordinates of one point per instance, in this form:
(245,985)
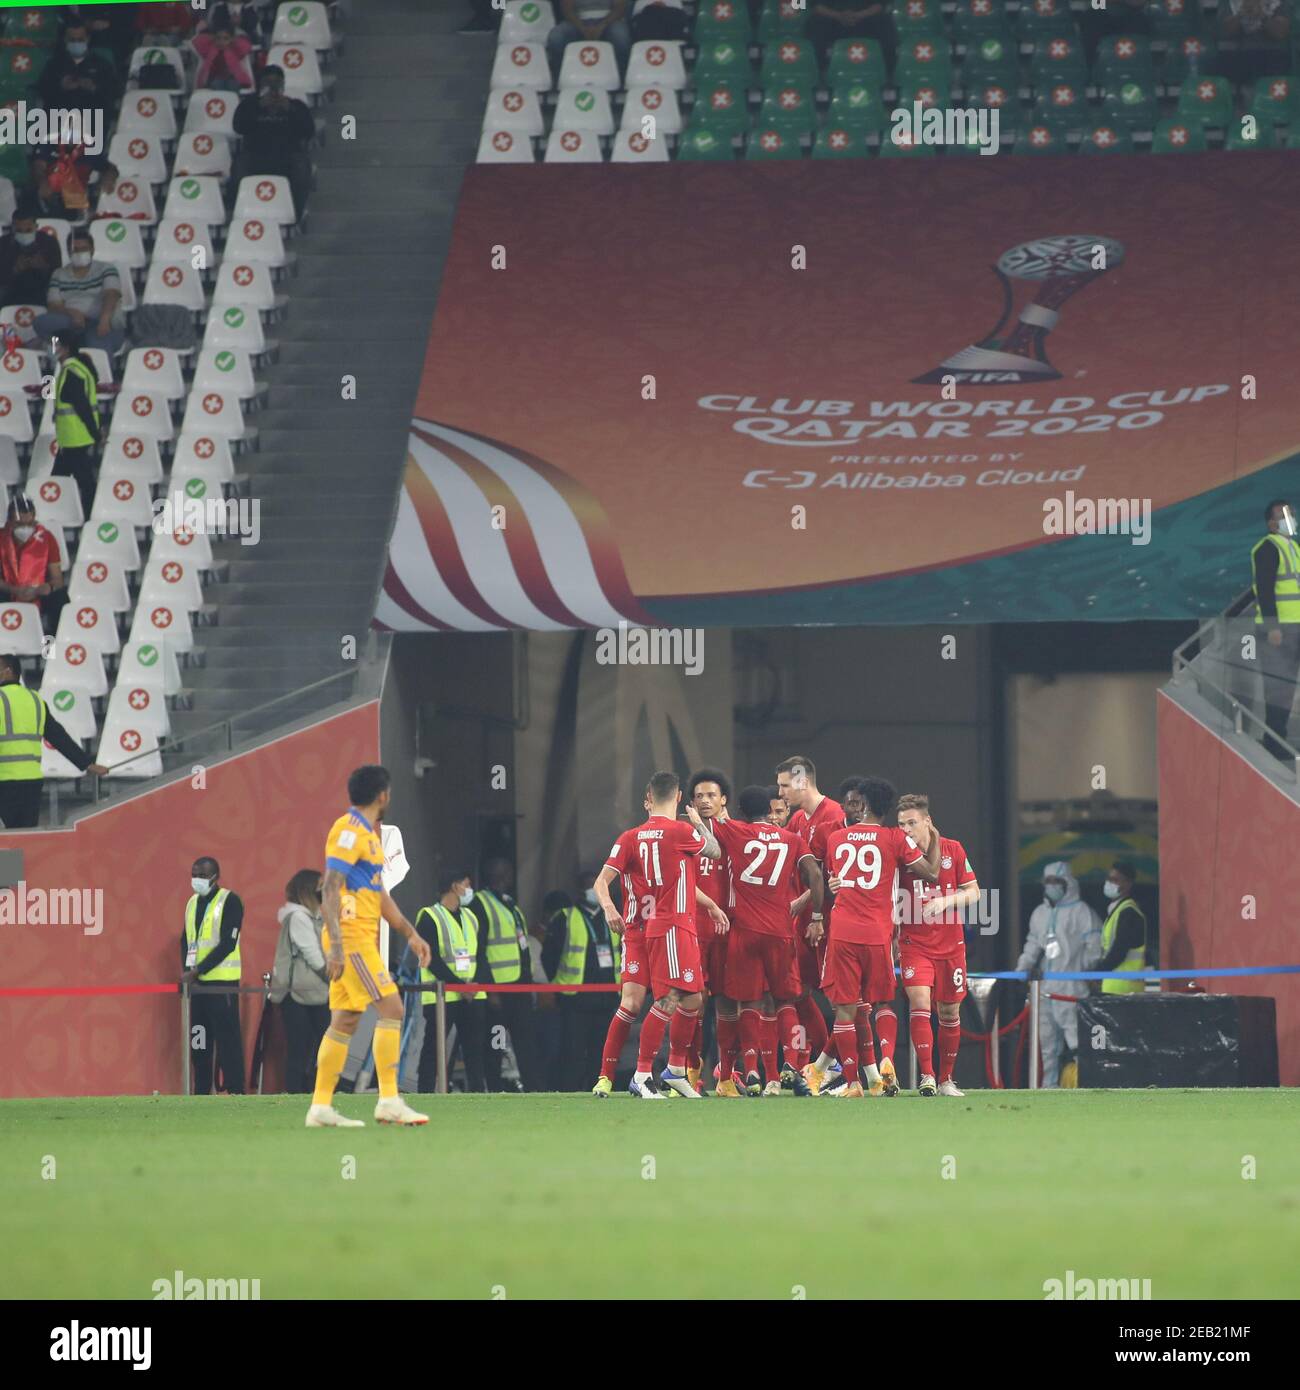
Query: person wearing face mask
(276,131)
(86,296)
(1124,932)
(30,571)
(1064,935)
(579,949)
(503,953)
(243,17)
(451,931)
(26,722)
(77,78)
(27,260)
(300,984)
(210,953)
(1275,574)
(76,417)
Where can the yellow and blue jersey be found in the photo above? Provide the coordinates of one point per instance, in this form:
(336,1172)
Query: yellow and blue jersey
(356,851)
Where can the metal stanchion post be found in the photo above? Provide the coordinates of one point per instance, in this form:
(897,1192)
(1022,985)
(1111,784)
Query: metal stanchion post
(995,1056)
(440,1014)
(185,1039)
(1035,986)
(261,1030)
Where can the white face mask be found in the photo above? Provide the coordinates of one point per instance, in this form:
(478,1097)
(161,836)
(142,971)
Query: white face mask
(80,259)
(22,534)
(592,899)
(467,897)
(202,886)
(1054,892)
(1110,889)
(25,238)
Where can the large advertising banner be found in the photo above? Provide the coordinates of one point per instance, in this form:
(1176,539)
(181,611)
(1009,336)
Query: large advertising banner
(803,392)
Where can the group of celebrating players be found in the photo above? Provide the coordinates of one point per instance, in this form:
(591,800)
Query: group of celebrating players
(757,906)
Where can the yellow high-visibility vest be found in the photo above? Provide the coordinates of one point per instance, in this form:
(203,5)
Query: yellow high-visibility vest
(205,935)
(458,948)
(1136,959)
(504,958)
(1287,588)
(69,428)
(22,725)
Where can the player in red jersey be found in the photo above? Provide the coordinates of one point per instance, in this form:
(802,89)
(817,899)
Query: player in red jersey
(932,945)
(863,860)
(769,868)
(812,816)
(709,791)
(778,812)
(658,863)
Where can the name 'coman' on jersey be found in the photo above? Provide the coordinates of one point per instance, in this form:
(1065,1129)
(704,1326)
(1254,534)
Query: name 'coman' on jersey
(867,858)
(657,861)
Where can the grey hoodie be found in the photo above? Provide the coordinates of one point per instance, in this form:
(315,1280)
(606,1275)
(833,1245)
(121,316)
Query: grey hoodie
(1063,936)
(300,958)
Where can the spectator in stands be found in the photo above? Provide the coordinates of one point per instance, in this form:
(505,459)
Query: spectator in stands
(85,295)
(276,131)
(224,59)
(27,259)
(77,78)
(246,19)
(484,18)
(214,917)
(1117,17)
(300,982)
(76,416)
(30,571)
(1262,28)
(62,175)
(829,20)
(659,19)
(103,187)
(1064,935)
(27,722)
(1275,574)
(602,20)
(1124,932)
(171,20)
(111,27)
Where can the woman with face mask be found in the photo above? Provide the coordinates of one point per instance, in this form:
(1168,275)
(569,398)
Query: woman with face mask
(299,978)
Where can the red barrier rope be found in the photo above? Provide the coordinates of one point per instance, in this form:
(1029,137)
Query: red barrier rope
(89,989)
(987,1040)
(470,988)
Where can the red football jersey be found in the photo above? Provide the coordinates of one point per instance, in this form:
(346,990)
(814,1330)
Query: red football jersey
(813,830)
(763,860)
(942,938)
(867,858)
(657,861)
(714,881)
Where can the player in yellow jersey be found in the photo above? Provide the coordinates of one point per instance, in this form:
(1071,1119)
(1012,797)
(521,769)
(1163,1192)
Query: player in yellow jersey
(354,901)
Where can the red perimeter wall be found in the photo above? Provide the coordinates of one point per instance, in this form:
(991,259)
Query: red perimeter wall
(263,815)
(1225,833)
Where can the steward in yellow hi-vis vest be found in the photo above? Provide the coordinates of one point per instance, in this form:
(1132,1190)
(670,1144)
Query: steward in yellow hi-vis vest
(76,416)
(1275,577)
(504,959)
(1125,942)
(214,917)
(580,949)
(453,934)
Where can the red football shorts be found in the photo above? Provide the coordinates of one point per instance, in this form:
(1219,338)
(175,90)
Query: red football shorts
(854,971)
(634,971)
(759,963)
(945,975)
(713,959)
(674,960)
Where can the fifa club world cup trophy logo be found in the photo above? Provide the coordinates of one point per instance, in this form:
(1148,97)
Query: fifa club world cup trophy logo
(1060,266)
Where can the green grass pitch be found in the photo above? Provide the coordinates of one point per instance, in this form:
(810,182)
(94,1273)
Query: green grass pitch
(566,1196)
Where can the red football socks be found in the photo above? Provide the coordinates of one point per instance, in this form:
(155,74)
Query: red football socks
(923,1042)
(652,1034)
(681,1032)
(615,1040)
(846,1044)
(949,1043)
(886,1031)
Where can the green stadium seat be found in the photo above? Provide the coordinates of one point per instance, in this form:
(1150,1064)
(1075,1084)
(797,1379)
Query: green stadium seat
(789,60)
(1275,99)
(841,141)
(722,19)
(1173,19)
(1130,102)
(1188,57)
(974,20)
(1058,58)
(1039,19)
(892,149)
(928,91)
(789,103)
(1172,136)
(703,142)
(925,58)
(856,59)
(1007,122)
(1041,136)
(14,166)
(997,96)
(1107,138)
(991,60)
(859,104)
(781,19)
(1207,100)
(914,18)
(722,103)
(21,67)
(35,24)
(1065,102)
(1264,136)
(722,61)
(774,140)
(1124,55)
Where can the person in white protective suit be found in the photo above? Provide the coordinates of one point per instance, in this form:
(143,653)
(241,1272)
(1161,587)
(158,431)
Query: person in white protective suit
(1064,934)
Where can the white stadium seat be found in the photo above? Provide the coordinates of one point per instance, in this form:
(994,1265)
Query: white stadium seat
(185,542)
(156,621)
(168,579)
(20,627)
(10,471)
(147,57)
(57,227)
(203,456)
(589,63)
(505,147)
(631,147)
(247,283)
(225,369)
(156,370)
(256,239)
(21,318)
(124,500)
(573,147)
(584,108)
(528,21)
(55,767)
(197,197)
(119,242)
(177,239)
(70,703)
(20,369)
(203,152)
(133,456)
(40,463)
(659,102)
(102,364)
(150,663)
(212,111)
(73,661)
(91,623)
(658,63)
(303,21)
(15,418)
(104,539)
(142,412)
(521,65)
(214,412)
(302,74)
(100,582)
(150,113)
(235,326)
(268,196)
(175,282)
(516,109)
(58,503)
(128,751)
(138,706)
(132,199)
(138,156)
